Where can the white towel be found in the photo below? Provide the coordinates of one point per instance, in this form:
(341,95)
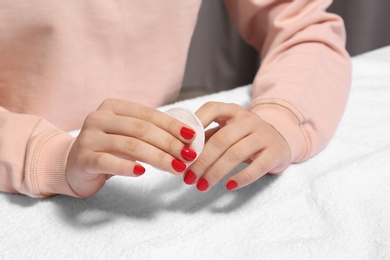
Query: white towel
(334,206)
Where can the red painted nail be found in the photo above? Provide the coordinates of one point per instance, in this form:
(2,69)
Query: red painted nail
(231,185)
(202,184)
(187,133)
(188,154)
(139,170)
(179,166)
(189,177)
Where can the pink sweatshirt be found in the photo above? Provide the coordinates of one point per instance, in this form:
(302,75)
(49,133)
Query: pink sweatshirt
(60,59)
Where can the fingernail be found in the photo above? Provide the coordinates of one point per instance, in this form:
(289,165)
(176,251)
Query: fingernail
(179,166)
(139,170)
(202,184)
(189,177)
(231,185)
(187,133)
(188,154)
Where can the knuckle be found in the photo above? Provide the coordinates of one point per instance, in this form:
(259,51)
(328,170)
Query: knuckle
(174,124)
(161,158)
(141,128)
(201,163)
(218,141)
(262,167)
(210,105)
(110,101)
(215,173)
(96,119)
(147,113)
(234,155)
(171,144)
(131,146)
(247,177)
(107,103)
(92,118)
(234,106)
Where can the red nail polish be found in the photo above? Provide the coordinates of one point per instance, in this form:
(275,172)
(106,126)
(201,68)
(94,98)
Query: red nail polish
(202,184)
(139,170)
(231,185)
(179,166)
(188,154)
(189,177)
(187,133)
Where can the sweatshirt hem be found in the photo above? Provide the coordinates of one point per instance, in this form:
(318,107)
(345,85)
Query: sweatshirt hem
(48,164)
(288,122)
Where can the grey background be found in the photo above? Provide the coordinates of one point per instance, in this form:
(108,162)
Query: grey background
(219,59)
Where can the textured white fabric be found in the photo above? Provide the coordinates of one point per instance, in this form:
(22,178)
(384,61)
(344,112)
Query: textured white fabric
(188,117)
(334,206)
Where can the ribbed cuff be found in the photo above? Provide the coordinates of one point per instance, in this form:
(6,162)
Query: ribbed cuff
(288,122)
(46,168)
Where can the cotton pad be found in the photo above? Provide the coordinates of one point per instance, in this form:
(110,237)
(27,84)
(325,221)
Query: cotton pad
(189,118)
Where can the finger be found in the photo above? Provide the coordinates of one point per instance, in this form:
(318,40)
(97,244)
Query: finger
(262,165)
(133,149)
(217,145)
(217,112)
(105,163)
(151,134)
(177,128)
(233,157)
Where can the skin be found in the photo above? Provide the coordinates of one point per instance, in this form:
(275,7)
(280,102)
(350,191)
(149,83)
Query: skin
(119,134)
(242,136)
(114,137)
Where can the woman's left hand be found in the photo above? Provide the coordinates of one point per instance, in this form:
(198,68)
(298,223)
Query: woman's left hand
(242,136)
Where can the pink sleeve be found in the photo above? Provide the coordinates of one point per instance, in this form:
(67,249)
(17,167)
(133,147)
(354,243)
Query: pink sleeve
(303,83)
(33,156)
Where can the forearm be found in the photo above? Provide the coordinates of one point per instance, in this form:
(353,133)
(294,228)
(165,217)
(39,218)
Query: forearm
(303,83)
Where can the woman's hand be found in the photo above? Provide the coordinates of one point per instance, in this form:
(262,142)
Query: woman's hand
(118,134)
(241,136)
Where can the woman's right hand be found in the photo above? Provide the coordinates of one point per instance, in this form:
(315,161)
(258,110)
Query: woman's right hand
(118,134)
